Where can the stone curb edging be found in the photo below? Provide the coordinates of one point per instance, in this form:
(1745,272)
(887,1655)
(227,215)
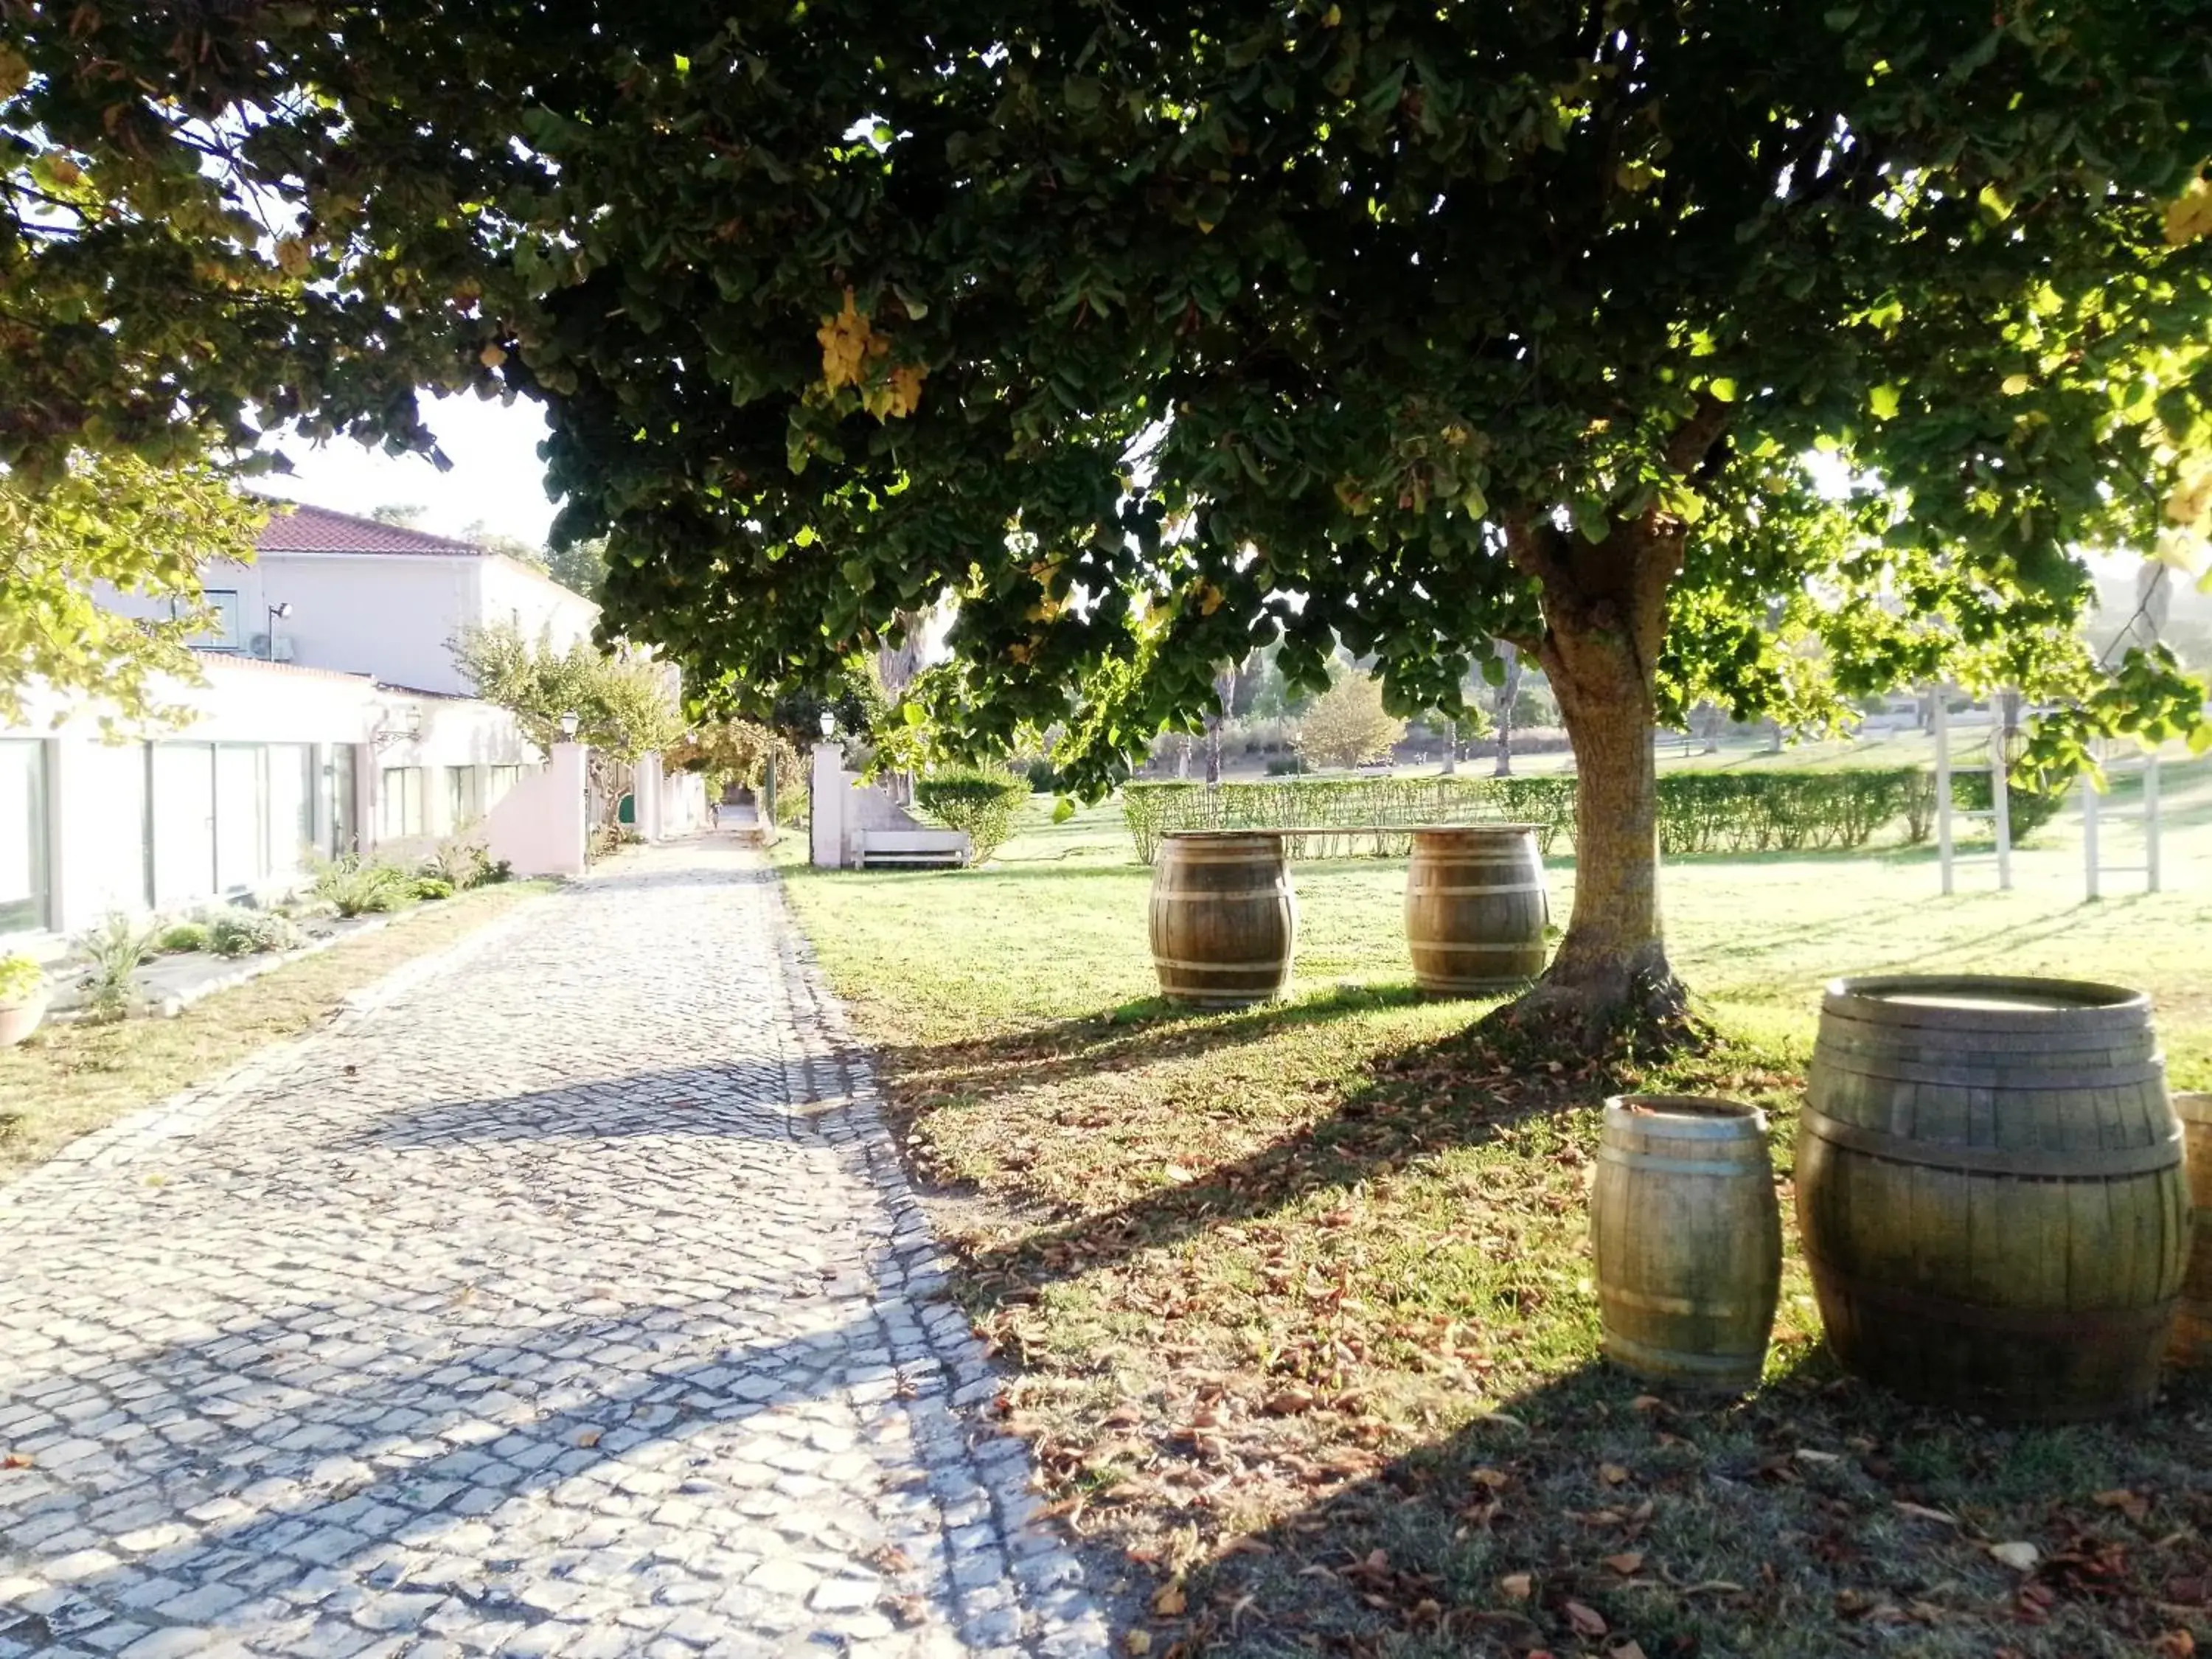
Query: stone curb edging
(1041,1606)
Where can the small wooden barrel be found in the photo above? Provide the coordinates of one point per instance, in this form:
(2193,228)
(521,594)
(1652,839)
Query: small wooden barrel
(1990,1194)
(1688,1238)
(1476,908)
(2192,1330)
(1224,919)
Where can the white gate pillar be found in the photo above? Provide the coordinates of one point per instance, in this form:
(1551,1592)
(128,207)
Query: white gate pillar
(828,799)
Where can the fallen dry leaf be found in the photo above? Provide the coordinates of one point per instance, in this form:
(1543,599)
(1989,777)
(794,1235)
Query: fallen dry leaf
(1611,1474)
(1516,1586)
(2020,1555)
(2175,1644)
(1807,1454)
(1170,1602)
(15,1461)
(1586,1620)
(2134,1505)
(1921,1513)
(1137,1642)
(589,1437)
(1492,1478)
(1626,1564)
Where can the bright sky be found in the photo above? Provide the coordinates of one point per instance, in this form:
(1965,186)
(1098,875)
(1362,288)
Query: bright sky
(496,479)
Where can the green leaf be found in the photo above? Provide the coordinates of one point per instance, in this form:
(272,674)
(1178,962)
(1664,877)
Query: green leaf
(1063,809)
(1723,388)
(1883,401)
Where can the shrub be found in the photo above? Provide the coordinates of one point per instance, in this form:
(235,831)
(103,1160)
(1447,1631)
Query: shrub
(354,885)
(1285,766)
(461,861)
(433,887)
(1043,776)
(249,933)
(2027,810)
(182,939)
(20,979)
(112,952)
(984,804)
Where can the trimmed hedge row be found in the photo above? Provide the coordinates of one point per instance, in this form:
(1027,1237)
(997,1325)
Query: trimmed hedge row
(1698,812)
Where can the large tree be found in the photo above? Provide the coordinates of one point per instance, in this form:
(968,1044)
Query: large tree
(1158,332)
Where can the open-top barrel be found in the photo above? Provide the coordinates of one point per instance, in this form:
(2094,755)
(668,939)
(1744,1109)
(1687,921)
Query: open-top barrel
(1688,1237)
(1224,919)
(1476,908)
(1990,1193)
(2192,1330)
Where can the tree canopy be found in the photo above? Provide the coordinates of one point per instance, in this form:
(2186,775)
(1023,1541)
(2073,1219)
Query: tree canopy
(1157,333)
(147,531)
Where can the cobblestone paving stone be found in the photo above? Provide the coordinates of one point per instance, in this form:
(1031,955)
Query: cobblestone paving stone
(565,1297)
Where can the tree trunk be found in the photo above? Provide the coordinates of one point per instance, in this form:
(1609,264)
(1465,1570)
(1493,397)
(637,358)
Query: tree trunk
(1509,692)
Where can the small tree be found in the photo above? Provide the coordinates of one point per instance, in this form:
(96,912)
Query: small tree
(147,530)
(1348,724)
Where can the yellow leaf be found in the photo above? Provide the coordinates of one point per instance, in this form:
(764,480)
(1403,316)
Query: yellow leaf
(1171,1601)
(1883,401)
(1611,1474)
(292,256)
(2014,385)
(1137,1642)
(1332,17)
(1209,600)
(492,356)
(15,72)
(1516,1586)
(2019,1556)
(2189,216)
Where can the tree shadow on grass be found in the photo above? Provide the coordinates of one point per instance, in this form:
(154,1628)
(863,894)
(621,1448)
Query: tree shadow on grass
(1149,1031)
(1591,1510)
(1415,1103)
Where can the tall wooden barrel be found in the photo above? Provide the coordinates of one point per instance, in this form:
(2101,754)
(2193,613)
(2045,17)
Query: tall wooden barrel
(1224,919)
(1476,908)
(1990,1192)
(1688,1238)
(2192,1330)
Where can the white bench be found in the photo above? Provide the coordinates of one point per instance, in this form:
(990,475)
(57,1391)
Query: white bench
(941,847)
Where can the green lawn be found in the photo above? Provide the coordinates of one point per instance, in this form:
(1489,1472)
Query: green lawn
(1299,1296)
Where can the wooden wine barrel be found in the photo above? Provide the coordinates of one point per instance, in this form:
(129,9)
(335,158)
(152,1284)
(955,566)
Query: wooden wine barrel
(2192,1330)
(1687,1235)
(1223,917)
(1991,1195)
(1476,908)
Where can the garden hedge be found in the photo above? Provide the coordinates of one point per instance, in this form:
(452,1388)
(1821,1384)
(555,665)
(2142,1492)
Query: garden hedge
(1698,812)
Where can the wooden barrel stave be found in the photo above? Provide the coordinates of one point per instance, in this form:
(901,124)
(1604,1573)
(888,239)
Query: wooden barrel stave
(1687,1234)
(1476,909)
(1222,919)
(2192,1326)
(1990,1198)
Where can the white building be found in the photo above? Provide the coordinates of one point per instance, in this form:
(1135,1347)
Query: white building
(343,724)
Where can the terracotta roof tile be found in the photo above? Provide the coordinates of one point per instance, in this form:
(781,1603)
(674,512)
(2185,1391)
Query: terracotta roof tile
(318,529)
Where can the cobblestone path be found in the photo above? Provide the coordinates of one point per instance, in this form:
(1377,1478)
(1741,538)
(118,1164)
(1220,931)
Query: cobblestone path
(566,1299)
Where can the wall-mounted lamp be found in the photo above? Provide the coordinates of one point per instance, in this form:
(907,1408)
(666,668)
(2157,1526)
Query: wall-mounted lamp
(828,724)
(280,611)
(569,723)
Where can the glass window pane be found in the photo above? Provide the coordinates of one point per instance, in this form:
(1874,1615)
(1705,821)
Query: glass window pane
(107,847)
(184,822)
(241,824)
(345,817)
(22,836)
(291,806)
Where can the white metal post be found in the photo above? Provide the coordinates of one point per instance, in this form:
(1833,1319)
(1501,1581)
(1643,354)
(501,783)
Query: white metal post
(2000,807)
(1942,724)
(2089,835)
(2150,821)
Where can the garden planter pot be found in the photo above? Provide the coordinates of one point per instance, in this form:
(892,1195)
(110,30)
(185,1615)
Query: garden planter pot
(1990,1193)
(1687,1236)
(19,1019)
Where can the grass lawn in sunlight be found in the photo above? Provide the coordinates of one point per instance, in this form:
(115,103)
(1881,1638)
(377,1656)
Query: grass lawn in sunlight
(1297,1300)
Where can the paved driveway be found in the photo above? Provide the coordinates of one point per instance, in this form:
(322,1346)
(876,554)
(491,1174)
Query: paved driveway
(566,1299)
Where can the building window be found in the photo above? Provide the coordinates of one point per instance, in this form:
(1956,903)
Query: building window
(461,806)
(291,798)
(401,813)
(222,633)
(184,822)
(241,815)
(499,779)
(344,811)
(22,836)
